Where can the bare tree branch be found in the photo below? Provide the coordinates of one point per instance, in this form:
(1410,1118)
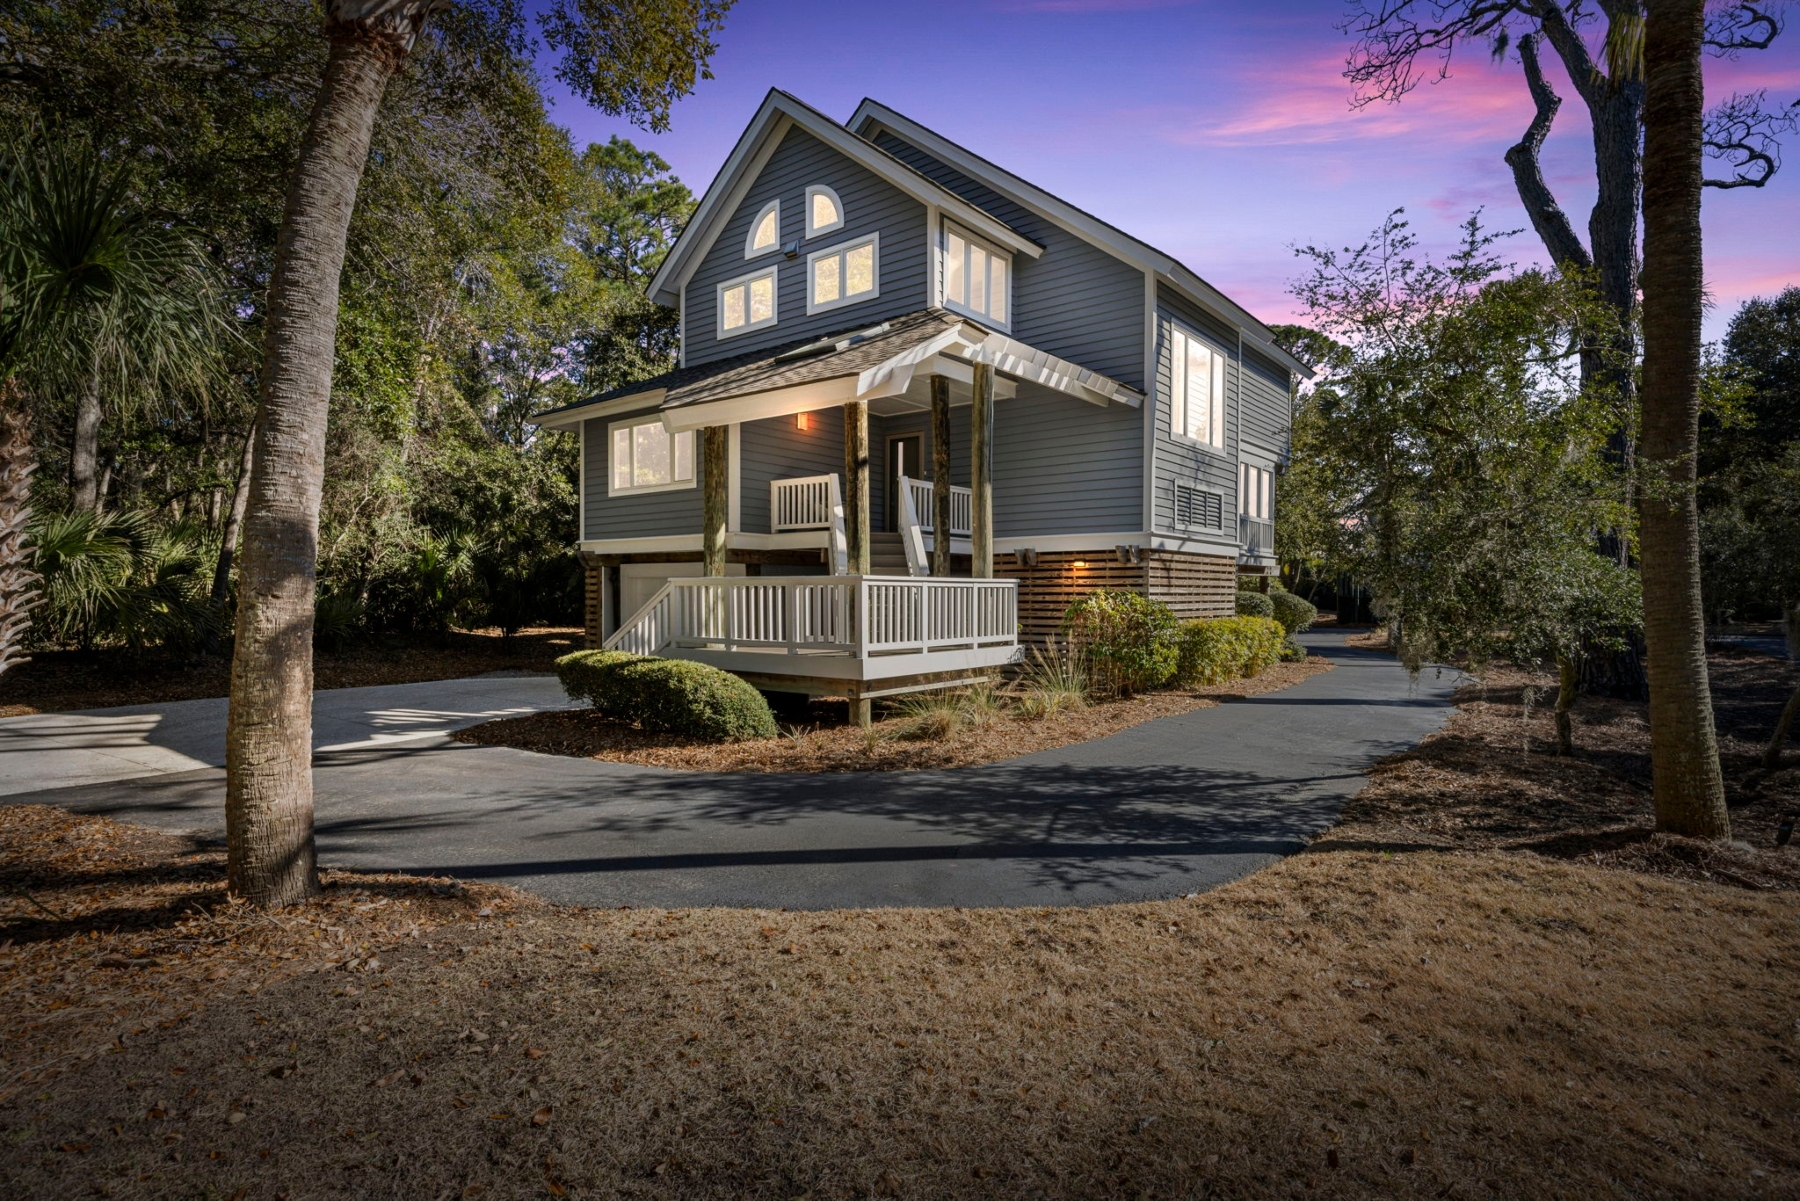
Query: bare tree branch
(1393,36)
(1744,133)
(1731,28)
(1547,217)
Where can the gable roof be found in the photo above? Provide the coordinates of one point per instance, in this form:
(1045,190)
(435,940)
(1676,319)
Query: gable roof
(778,113)
(871,115)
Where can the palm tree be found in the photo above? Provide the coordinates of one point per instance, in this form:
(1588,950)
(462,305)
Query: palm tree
(633,58)
(137,309)
(1688,787)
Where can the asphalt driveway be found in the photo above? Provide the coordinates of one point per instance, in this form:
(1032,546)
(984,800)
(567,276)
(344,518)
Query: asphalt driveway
(1168,807)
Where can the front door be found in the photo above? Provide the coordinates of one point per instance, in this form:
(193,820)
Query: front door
(903,458)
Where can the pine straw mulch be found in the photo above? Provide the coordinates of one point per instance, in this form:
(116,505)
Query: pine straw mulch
(1343,1024)
(833,745)
(1490,780)
(55,681)
(109,931)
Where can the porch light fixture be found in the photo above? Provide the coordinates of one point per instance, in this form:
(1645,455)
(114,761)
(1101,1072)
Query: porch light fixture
(1079,564)
(803,420)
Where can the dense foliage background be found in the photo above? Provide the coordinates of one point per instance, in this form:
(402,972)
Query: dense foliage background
(494,271)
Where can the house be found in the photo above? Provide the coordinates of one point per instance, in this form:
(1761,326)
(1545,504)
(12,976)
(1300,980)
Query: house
(921,406)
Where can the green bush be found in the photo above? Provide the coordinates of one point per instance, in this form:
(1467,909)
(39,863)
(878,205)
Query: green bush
(1254,604)
(1127,638)
(671,696)
(1294,613)
(1228,648)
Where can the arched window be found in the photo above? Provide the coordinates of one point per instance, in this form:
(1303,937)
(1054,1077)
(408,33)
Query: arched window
(765,231)
(824,211)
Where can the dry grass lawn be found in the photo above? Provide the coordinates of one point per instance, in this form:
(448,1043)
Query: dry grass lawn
(825,742)
(1489,983)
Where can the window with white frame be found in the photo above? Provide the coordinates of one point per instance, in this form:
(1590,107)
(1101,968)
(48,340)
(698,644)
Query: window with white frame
(842,274)
(1256,492)
(747,303)
(1196,390)
(977,278)
(765,231)
(824,211)
(646,457)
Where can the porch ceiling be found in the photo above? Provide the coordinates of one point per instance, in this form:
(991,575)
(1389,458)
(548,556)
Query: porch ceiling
(887,365)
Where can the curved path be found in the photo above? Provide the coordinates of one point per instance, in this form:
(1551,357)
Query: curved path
(1168,807)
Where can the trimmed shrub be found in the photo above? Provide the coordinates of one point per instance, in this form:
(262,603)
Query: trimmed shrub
(1254,604)
(1228,648)
(587,676)
(1294,613)
(1127,638)
(670,696)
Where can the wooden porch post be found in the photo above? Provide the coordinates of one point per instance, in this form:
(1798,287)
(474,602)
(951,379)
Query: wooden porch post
(856,486)
(715,504)
(940,476)
(981,475)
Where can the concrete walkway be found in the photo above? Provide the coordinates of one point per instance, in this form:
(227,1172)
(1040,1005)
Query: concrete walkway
(1168,807)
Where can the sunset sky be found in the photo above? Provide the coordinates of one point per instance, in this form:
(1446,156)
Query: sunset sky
(1219,132)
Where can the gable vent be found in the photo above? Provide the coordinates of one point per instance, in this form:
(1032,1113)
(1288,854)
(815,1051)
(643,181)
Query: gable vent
(1198,507)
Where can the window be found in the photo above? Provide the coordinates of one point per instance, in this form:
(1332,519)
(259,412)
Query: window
(1196,506)
(1256,492)
(747,303)
(842,274)
(977,278)
(1196,390)
(824,211)
(646,457)
(765,231)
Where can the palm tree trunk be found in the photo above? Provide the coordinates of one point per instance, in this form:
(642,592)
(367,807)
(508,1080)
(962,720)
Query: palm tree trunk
(84,451)
(234,522)
(269,805)
(1688,787)
(19,585)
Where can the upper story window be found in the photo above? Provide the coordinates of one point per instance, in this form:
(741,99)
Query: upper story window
(1196,390)
(765,231)
(1256,492)
(747,303)
(977,278)
(646,457)
(842,274)
(824,211)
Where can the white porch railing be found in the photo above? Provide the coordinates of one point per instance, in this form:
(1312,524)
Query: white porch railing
(858,616)
(1256,535)
(811,502)
(962,506)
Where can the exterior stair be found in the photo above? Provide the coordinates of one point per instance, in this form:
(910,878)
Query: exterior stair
(887,555)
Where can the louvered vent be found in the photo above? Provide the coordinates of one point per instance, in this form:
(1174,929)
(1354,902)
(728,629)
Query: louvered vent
(1198,507)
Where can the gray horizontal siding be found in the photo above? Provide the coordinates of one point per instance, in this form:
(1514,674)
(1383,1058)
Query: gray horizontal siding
(1178,460)
(1076,301)
(870,204)
(778,449)
(881,429)
(655,514)
(1062,466)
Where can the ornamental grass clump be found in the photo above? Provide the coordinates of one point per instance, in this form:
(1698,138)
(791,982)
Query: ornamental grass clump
(1056,680)
(1228,648)
(938,715)
(1127,639)
(669,696)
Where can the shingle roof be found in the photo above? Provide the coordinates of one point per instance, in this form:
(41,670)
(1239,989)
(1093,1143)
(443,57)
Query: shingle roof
(764,370)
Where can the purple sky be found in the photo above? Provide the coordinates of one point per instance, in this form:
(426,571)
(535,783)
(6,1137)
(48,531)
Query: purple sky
(1218,132)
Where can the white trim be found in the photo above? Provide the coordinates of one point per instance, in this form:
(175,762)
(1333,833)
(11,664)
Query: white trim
(660,544)
(734,516)
(777,112)
(646,489)
(872,115)
(750,250)
(773,271)
(650,398)
(1099,545)
(813,231)
(1220,413)
(1223,547)
(967,310)
(581,492)
(1151,364)
(873,241)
